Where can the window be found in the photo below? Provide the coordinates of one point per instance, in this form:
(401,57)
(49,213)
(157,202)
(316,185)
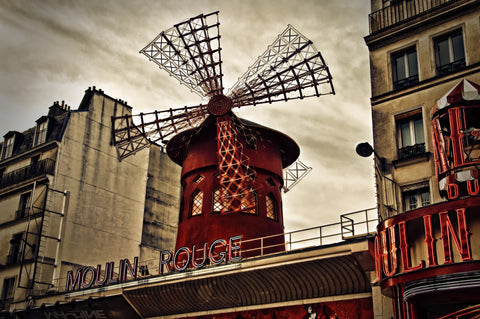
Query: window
(23,206)
(8,147)
(271,205)
(248,203)
(449,53)
(14,255)
(196,203)
(416,196)
(7,292)
(411,138)
(41,133)
(404,69)
(218,200)
(198,179)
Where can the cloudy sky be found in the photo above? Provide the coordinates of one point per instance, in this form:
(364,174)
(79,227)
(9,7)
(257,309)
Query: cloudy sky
(54,50)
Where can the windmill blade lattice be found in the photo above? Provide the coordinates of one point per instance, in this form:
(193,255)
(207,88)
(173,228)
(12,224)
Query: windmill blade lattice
(153,127)
(190,52)
(290,68)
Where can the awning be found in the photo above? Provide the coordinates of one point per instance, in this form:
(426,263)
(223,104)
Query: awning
(463,92)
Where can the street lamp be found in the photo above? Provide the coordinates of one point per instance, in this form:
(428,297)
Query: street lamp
(365,150)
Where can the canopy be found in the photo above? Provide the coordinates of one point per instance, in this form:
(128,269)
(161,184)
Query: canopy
(463,92)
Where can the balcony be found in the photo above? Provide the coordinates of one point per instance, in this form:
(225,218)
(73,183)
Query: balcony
(43,167)
(400,11)
(405,83)
(451,67)
(411,151)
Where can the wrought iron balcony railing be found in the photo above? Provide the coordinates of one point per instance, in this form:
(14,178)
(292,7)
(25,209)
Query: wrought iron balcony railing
(402,10)
(411,151)
(405,83)
(46,166)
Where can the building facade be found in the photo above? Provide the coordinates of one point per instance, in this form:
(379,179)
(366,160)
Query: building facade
(425,70)
(66,201)
(105,232)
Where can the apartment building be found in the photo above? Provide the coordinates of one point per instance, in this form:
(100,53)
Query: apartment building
(66,201)
(425,71)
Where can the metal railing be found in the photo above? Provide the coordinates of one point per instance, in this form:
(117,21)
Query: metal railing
(46,166)
(352,225)
(399,11)
(411,151)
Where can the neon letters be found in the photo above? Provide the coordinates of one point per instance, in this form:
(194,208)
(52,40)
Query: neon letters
(392,247)
(219,251)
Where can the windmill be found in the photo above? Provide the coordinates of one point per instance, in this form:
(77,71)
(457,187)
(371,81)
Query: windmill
(190,51)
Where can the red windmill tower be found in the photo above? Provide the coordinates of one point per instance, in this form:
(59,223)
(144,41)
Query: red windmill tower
(231,168)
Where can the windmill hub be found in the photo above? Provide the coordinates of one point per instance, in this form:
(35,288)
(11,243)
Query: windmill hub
(219,105)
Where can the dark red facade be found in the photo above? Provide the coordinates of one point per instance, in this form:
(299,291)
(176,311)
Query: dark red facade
(201,220)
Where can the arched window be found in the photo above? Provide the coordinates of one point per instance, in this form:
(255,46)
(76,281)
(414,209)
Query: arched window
(196,203)
(249,203)
(271,204)
(218,204)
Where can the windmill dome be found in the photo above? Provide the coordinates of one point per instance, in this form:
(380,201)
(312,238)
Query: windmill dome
(177,147)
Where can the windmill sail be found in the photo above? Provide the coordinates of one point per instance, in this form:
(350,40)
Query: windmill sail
(190,52)
(290,68)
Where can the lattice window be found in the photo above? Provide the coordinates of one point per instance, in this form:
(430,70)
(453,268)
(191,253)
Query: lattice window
(249,203)
(218,205)
(271,205)
(271,182)
(197,203)
(198,179)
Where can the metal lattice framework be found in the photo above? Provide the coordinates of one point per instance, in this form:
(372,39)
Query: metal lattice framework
(290,68)
(294,174)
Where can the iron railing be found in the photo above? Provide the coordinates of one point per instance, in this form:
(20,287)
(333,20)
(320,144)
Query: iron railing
(411,151)
(353,225)
(401,10)
(46,166)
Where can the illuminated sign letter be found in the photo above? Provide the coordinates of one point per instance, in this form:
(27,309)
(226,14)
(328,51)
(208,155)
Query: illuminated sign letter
(184,261)
(111,268)
(132,270)
(389,257)
(462,243)
(99,273)
(429,240)
(72,283)
(211,252)
(378,258)
(165,261)
(404,250)
(234,248)
(194,261)
(452,191)
(91,278)
(475,190)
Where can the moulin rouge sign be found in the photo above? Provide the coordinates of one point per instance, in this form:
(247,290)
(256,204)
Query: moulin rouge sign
(220,251)
(437,234)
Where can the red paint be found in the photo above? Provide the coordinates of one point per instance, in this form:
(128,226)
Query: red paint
(198,156)
(393,258)
(429,240)
(462,242)
(404,247)
(361,308)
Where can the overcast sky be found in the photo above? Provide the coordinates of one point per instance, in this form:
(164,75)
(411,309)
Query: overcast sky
(54,50)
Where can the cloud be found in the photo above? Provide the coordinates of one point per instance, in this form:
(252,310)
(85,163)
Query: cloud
(54,50)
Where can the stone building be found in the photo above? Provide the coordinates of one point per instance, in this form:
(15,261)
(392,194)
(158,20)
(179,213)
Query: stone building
(419,50)
(66,201)
(425,70)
